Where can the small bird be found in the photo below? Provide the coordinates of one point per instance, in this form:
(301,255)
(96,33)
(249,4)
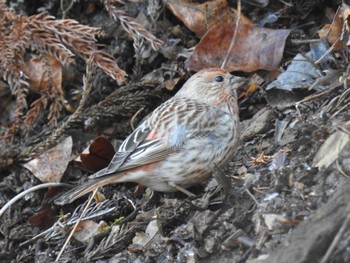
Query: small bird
(180,142)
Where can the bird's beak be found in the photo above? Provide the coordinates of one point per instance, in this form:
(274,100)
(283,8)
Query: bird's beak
(238,81)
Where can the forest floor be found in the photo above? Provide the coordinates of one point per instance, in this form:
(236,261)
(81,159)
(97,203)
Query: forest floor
(289,199)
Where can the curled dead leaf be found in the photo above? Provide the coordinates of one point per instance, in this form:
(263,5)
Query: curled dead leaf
(97,156)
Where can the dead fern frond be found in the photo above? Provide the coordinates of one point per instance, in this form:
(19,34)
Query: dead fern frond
(96,210)
(125,101)
(14,39)
(45,36)
(107,64)
(130,25)
(35,109)
(64,38)
(31,151)
(19,88)
(109,244)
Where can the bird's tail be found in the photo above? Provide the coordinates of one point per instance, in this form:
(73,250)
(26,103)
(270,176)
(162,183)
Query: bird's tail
(87,187)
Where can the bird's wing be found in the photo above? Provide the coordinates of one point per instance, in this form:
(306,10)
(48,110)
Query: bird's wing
(160,135)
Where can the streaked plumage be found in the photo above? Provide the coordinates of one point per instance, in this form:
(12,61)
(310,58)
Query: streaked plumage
(180,141)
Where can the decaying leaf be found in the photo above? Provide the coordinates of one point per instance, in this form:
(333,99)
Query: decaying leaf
(50,166)
(151,234)
(331,149)
(43,72)
(332,32)
(300,74)
(274,221)
(293,84)
(254,48)
(45,218)
(87,229)
(200,17)
(97,156)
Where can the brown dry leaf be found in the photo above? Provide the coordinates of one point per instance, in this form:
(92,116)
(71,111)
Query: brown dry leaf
(200,17)
(42,72)
(43,219)
(254,48)
(87,229)
(333,31)
(50,166)
(97,156)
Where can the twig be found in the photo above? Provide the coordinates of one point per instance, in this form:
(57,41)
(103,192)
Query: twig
(133,119)
(336,239)
(287,4)
(304,41)
(341,170)
(22,194)
(233,40)
(252,196)
(76,225)
(65,10)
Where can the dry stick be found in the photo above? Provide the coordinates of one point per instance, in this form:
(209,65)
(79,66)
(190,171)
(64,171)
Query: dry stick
(233,40)
(335,43)
(336,239)
(76,226)
(65,10)
(341,170)
(22,194)
(87,85)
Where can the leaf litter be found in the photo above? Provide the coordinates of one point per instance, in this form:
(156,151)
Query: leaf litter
(291,117)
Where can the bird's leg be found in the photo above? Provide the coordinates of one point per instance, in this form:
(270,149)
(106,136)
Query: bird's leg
(222,179)
(181,189)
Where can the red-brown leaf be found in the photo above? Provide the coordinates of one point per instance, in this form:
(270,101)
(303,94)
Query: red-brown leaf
(254,48)
(98,156)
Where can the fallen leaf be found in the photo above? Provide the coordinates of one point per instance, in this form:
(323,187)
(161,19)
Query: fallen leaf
(293,84)
(254,48)
(97,156)
(151,234)
(50,166)
(331,149)
(200,17)
(274,221)
(332,32)
(300,74)
(87,229)
(43,72)
(45,218)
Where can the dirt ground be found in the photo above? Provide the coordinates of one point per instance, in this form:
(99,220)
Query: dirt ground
(282,206)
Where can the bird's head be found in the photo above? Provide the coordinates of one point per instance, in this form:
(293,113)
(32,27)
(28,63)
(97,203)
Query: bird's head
(214,86)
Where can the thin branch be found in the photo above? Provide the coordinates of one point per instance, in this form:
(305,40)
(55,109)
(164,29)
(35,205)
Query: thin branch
(234,37)
(24,193)
(76,226)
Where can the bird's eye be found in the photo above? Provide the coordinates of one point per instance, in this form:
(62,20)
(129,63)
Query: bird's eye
(219,79)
